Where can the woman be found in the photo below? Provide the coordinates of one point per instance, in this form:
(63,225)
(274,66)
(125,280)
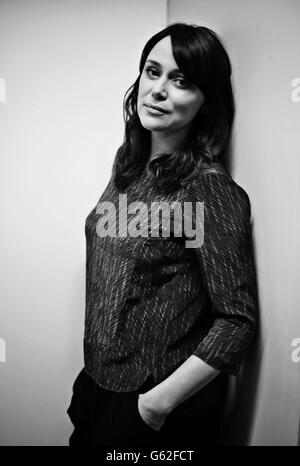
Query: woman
(167,318)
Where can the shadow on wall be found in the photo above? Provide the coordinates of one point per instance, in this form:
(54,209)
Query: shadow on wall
(240,408)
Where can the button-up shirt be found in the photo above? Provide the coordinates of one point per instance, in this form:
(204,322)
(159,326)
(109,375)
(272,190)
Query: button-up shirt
(154,296)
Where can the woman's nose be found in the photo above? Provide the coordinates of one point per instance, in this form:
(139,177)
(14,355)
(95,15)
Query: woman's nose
(159,90)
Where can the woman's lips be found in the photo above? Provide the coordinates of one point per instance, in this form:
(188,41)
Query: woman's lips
(154,111)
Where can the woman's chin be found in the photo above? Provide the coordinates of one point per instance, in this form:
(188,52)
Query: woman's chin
(152,125)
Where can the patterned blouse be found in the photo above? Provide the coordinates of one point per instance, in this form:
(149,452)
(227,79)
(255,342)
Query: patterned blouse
(155,296)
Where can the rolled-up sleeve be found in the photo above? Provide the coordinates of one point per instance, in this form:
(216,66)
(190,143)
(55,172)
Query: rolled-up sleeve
(227,269)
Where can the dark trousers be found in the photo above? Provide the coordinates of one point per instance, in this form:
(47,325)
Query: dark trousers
(105,418)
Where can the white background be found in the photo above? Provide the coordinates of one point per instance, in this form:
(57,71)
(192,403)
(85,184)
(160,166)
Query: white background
(66,66)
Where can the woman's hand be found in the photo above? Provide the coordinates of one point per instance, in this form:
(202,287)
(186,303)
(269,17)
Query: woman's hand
(151,412)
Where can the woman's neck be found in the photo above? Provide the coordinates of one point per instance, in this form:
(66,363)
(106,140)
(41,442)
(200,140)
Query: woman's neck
(167,143)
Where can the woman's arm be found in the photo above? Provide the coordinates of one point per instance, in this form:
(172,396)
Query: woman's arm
(155,405)
(227,270)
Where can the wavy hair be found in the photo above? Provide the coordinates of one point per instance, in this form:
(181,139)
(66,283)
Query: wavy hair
(201,56)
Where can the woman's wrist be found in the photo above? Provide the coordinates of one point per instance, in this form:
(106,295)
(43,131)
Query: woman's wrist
(186,380)
(157,401)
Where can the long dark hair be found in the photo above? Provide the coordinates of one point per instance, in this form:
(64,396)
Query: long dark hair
(201,56)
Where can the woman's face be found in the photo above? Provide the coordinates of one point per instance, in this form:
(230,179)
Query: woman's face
(163,84)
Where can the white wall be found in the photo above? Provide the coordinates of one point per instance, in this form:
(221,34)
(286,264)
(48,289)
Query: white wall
(263,40)
(66,66)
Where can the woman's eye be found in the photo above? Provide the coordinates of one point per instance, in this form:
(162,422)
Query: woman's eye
(181,82)
(151,71)
(154,73)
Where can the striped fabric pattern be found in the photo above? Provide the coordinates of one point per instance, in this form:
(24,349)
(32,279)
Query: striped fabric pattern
(151,301)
